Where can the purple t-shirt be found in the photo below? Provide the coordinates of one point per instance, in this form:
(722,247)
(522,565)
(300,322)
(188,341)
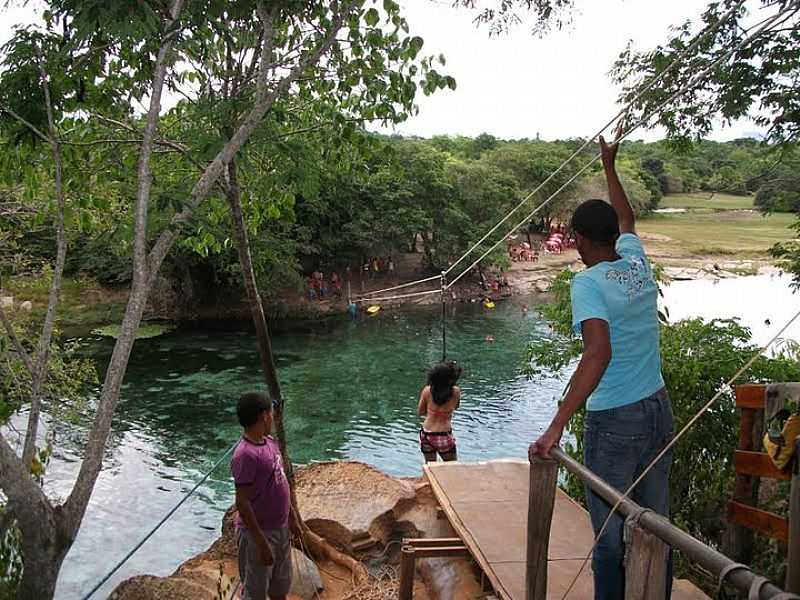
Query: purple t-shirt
(260,465)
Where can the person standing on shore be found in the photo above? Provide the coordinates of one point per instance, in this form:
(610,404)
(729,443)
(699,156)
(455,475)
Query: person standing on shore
(629,414)
(262,504)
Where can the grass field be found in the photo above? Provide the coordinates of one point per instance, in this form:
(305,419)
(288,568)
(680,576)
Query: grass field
(706,200)
(705,232)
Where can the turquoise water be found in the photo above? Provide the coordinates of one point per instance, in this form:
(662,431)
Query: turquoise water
(351,389)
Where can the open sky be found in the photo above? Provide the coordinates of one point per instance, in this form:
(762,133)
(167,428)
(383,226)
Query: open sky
(518,85)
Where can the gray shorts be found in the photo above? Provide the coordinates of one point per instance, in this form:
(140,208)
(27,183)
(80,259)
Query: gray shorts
(259,579)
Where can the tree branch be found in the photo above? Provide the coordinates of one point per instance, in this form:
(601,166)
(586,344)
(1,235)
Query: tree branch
(26,123)
(9,327)
(24,495)
(75,506)
(43,354)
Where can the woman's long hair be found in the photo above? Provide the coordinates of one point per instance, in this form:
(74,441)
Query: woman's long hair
(442,377)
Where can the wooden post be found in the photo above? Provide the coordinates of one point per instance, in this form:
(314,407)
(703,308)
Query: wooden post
(541,498)
(406,588)
(793,556)
(646,559)
(738,541)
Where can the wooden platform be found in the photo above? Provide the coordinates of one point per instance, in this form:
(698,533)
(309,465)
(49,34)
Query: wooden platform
(487,505)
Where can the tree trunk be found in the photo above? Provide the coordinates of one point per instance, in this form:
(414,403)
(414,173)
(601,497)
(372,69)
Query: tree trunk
(313,542)
(43,558)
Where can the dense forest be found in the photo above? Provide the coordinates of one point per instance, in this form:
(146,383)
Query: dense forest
(333,204)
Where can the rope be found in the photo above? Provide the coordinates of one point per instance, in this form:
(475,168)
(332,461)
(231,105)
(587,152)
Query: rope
(444,316)
(694,81)
(674,440)
(158,525)
(387,298)
(622,112)
(398,287)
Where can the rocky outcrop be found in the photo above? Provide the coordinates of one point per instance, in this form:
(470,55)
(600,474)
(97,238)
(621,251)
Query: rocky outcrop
(357,508)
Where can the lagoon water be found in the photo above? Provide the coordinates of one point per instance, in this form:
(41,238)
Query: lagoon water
(351,388)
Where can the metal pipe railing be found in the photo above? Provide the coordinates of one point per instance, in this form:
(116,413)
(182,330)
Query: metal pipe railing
(693,549)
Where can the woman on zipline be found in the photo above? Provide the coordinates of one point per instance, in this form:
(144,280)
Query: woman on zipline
(437,402)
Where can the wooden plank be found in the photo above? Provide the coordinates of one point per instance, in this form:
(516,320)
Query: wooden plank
(759,520)
(751,395)
(738,542)
(441,552)
(432,542)
(464,534)
(541,499)
(758,464)
(646,559)
(406,587)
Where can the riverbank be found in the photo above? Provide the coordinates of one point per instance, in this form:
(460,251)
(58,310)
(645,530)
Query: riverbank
(695,236)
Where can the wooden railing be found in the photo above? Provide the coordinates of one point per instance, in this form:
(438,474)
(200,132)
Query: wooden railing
(752,465)
(648,539)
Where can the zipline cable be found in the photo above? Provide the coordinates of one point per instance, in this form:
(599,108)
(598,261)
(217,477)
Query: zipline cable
(681,55)
(398,287)
(694,81)
(158,525)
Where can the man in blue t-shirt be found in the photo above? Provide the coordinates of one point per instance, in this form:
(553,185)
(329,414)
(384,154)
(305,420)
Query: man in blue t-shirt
(629,415)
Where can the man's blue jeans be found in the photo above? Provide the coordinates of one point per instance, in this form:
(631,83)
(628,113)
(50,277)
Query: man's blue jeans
(618,444)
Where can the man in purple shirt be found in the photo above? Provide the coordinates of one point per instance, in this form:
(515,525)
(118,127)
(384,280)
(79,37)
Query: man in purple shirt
(262,503)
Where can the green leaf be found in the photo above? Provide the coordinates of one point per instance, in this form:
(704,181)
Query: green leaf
(371,17)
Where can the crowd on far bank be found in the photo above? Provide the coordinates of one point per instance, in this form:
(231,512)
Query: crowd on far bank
(320,287)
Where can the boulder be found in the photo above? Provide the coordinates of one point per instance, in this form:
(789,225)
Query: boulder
(348,503)
(6,301)
(345,501)
(27,306)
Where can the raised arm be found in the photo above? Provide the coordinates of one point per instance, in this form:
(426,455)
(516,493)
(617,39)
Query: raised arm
(619,200)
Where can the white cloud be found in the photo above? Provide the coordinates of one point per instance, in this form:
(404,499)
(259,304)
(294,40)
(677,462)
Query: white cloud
(518,85)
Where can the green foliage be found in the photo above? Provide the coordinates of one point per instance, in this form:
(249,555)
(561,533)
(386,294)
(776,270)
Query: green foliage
(67,373)
(757,83)
(11,564)
(145,331)
(698,357)
(788,254)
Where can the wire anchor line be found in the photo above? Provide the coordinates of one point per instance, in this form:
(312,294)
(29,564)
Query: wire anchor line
(158,525)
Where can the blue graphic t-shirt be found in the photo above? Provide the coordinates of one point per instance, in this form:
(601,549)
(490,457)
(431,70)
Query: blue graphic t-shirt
(624,294)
